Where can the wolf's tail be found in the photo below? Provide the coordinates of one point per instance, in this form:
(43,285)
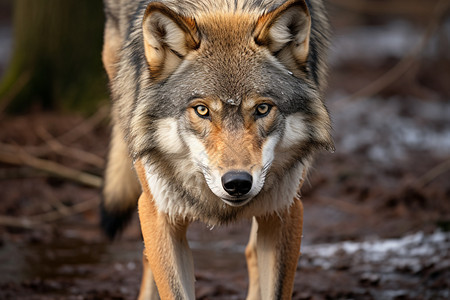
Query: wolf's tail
(121,187)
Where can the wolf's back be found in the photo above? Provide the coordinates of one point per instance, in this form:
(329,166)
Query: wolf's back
(121,188)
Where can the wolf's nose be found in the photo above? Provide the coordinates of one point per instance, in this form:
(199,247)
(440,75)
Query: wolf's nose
(237,183)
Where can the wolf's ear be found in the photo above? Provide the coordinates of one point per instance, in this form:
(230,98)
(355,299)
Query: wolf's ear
(285,31)
(168,37)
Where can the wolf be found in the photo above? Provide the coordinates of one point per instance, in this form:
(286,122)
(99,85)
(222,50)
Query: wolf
(218,110)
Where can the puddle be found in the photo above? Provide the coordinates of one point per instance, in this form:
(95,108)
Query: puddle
(64,259)
(72,258)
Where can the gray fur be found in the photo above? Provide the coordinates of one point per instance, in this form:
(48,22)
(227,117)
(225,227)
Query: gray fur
(139,102)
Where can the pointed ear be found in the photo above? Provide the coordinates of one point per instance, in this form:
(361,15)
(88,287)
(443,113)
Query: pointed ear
(285,31)
(168,38)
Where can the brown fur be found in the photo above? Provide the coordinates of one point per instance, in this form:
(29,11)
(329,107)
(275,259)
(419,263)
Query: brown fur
(165,242)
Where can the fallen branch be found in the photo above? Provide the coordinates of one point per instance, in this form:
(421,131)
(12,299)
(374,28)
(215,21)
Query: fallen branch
(16,156)
(82,129)
(56,147)
(344,206)
(432,174)
(86,126)
(16,222)
(20,173)
(55,202)
(33,221)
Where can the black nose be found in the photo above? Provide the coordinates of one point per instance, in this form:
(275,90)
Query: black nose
(237,183)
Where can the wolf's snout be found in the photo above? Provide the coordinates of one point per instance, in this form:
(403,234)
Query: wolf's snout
(237,183)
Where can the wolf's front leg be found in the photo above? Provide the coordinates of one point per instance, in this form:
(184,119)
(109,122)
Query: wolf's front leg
(148,290)
(167,251)
(278,249)
(254,289)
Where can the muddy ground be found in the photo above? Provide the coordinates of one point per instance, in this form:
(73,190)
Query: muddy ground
(377,211)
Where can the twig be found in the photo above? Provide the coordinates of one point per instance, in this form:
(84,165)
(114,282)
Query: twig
(55,202)
(16,222)
(344,206)
(85,127)
(382,82)
(73,134)
(432,174)
(33,221)
(20,173)
(19,157)
(70,211)
(55,146)
(403,65)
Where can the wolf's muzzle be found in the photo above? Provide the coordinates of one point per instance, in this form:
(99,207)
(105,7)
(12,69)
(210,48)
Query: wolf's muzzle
(237,183)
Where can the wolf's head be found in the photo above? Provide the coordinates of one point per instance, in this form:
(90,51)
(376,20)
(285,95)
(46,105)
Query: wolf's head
(236,92)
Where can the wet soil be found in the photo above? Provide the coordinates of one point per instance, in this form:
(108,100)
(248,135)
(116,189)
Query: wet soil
(376,222)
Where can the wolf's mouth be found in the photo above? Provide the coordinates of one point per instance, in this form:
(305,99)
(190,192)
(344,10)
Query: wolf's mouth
(236,201)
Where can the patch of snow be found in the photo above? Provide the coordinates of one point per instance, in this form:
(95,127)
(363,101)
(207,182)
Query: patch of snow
(387,132)
(406,252)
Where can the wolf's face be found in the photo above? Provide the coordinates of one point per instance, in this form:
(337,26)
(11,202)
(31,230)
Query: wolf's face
(233,145)
(242,104)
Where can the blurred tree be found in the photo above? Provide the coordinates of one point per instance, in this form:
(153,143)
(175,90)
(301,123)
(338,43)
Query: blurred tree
(56,61)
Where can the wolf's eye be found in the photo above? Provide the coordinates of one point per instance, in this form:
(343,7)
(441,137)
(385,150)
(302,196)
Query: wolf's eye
(202,111)
(263,110)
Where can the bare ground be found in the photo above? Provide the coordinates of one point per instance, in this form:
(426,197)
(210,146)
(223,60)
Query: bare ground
(377,211)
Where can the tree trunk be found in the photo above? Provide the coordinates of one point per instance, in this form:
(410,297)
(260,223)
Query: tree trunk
(56,62)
